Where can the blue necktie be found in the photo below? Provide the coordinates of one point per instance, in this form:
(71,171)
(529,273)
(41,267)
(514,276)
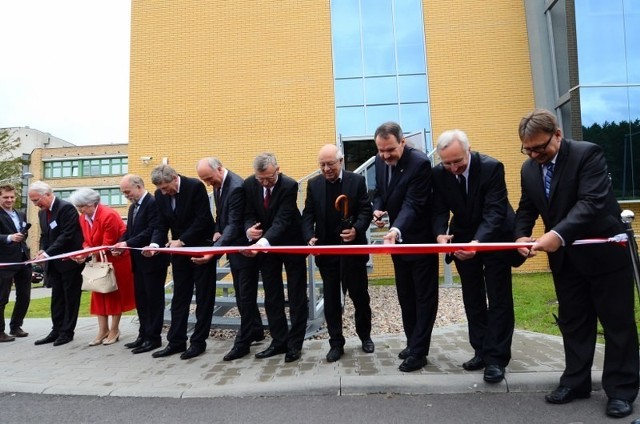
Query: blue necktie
(547,179)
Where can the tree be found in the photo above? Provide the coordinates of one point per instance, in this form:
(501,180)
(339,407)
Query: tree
(10,166)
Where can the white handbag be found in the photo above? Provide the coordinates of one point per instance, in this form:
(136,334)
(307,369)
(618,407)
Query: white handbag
(99,276)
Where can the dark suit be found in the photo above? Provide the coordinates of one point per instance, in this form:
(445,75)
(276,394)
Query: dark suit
(230,223)
(149,273)
(192,223)
(486,216)
(407,199)
(61,233)
(281,225)
(322,221)
(20,275)
(592,282)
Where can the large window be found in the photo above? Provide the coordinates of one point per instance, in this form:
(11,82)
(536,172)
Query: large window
(379,65)
(597,68)
(86,167)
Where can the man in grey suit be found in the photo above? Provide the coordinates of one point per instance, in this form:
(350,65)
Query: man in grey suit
(323,224)
(228,195)
(13,248)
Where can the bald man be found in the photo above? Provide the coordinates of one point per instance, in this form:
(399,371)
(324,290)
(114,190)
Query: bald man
(323,224)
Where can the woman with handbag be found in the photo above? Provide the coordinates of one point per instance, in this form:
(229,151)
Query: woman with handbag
(103,226)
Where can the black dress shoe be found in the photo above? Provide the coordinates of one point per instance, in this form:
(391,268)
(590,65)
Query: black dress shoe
(334,354)
(192,352)
(4,337)
(146,346)
(564,394)
(493,373)
(171,349)
(474,364)
(404,353)
(368,346)
(235,353)
(271,351)
(62,340)
(51,337)
(136,343)
(413,363)
(18,332)
(293,354)
(619,408)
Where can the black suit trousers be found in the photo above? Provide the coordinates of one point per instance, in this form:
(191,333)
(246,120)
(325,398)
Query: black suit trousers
(66,290)
(582,299)
(487,278)
(345,274)
(149,293)
(22,281)
(417,287)
(296,271)
(186,276)
(245,284)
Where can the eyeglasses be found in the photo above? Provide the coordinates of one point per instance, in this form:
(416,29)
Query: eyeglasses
(270,178)
(330,164)
(536,149)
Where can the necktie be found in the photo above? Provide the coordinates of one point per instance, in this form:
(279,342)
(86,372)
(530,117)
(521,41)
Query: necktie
(48,216)
(547,179)
(390,169)
(173,203)
(135,210)
(463,185)
(217,197)
(267,198)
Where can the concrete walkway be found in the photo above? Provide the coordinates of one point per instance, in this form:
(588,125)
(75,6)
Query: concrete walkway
(77,368)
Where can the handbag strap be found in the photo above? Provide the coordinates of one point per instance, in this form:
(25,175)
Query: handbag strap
(103,256)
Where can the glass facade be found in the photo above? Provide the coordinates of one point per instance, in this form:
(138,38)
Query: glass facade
(110,196)
(379,65)
(596,47)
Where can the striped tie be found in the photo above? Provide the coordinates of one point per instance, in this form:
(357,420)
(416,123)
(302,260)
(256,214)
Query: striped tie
(547,179)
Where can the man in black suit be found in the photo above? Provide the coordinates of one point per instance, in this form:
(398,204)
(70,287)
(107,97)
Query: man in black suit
(403,192)
(60,233)
(13,248)
(272,218)
(471,187)
(323,225)
(228,195)
(567,183)
(183,208)
(149,273)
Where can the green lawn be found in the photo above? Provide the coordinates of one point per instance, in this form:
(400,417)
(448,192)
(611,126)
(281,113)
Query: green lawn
(533,296)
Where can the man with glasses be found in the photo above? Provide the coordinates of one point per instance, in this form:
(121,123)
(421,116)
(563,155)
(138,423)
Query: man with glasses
(60,233)
(470,187)
(323,224)
(272,218)
(403,192)
(566,182)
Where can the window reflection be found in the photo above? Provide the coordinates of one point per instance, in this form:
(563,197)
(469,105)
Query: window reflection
(377,38)
(412,88)
(381,90)
(349,92)
(350,120)
(377,115)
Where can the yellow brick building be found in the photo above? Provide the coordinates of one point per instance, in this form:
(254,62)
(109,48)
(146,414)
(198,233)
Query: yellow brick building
(232,79)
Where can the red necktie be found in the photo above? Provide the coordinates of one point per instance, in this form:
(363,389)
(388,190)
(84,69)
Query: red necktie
(267,198)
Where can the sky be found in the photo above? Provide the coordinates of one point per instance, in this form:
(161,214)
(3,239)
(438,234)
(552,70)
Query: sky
(65,68)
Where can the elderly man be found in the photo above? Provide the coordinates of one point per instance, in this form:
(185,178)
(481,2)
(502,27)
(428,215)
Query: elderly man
(60,233)
(322,224)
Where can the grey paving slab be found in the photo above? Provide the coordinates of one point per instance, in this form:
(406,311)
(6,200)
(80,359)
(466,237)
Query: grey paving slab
(77,368)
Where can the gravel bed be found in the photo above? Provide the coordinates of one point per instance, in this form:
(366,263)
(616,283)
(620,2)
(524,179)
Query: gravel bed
(386,317)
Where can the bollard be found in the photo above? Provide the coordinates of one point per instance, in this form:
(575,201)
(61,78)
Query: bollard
(627,217)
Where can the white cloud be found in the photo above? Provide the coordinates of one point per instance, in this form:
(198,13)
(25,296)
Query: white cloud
(65,68)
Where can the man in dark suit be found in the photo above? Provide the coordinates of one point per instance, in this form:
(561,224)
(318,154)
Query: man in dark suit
(149,273)
(60,233)
(13,248)
(403,192)
(567,183)
(183,208)
(272,218)
(323,225)
(471,187)
(228,195)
